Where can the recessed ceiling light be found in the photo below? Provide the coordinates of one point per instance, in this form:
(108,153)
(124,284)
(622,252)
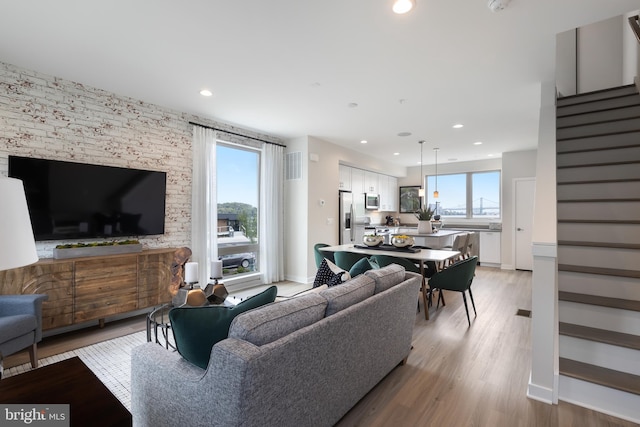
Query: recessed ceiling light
(477,143)
(403,6)
(458,126)
(206,92)
(396,154)
(489,155)
(404,134)
(364,141)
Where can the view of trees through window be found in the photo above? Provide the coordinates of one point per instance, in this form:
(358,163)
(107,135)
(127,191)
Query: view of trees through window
(237,176)
(466,195)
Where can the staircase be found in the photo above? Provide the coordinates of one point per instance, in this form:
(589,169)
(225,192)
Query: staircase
(598,191)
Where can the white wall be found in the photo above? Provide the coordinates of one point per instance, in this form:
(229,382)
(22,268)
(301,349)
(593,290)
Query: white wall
(517,164)
(566,82)
(308,220)
(600,55)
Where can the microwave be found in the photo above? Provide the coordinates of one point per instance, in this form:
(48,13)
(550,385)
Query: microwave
(371,201)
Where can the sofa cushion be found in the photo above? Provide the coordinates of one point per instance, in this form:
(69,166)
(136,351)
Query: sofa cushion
(349,293)
(386,277)
(330,274)
(197,329)
(361,266)
(275,321)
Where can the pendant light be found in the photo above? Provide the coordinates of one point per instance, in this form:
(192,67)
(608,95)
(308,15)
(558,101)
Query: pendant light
(403,6)
(421,190)
(435,193)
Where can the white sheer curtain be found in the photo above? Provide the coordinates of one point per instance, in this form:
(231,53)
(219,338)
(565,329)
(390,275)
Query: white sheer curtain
(271,214)
(204,210)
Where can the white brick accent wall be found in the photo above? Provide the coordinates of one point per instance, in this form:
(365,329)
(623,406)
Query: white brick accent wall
(47,117)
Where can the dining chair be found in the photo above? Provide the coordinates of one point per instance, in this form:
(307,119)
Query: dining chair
(429,270)
(472,238)
(346,260)
(457,277)
(459,244)
(320,255)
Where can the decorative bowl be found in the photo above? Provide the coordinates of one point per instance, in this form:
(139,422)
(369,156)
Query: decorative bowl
(372,240)
(402,241)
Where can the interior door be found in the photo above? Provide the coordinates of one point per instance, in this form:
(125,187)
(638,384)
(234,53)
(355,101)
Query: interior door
(524,197)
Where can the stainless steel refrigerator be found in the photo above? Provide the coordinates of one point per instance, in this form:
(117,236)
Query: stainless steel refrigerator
(352,217)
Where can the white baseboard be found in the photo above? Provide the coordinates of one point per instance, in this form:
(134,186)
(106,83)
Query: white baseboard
(609,401)
(542,394)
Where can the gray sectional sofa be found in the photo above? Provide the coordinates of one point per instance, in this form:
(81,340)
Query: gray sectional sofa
(304,361)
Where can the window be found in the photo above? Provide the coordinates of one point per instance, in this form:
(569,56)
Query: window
(466,195)
(238,189)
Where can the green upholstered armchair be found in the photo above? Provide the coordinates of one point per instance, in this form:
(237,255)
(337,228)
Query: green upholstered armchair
(346,260)
(21,324)
(457,277)
(321,255)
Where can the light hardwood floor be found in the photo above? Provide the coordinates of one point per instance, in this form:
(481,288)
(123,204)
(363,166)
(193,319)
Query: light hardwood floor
(455,375)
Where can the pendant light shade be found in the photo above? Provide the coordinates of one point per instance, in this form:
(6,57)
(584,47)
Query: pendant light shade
(403,6)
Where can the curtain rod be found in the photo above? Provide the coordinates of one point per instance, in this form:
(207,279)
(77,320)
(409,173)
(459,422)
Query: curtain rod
(237,134)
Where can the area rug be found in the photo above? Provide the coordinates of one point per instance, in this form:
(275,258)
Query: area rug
(109,360)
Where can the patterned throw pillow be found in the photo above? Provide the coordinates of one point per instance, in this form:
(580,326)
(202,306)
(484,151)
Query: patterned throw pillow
(330,274)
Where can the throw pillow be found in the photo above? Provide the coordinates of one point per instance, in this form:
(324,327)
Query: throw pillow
(197,329)
(330,274)
(361,266)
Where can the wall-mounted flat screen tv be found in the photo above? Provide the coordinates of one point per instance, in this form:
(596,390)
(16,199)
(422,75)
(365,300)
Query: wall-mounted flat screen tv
(70,200)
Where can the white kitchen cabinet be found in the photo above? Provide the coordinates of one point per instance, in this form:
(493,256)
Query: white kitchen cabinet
(490,247)
(357,181)
(344,173)
(371,182)
(388,190)
(392,193)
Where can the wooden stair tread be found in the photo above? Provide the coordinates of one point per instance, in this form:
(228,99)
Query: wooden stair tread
(612,245)
(560,151)
(598,375)
(600,335)
(598,200)
(600,221)
(570,138)
(599,181)
(623,304)
(590,165)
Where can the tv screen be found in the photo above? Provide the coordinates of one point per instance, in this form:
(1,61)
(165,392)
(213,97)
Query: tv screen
(79,201)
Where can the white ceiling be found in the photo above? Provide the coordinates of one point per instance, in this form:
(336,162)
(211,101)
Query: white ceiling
(292,67)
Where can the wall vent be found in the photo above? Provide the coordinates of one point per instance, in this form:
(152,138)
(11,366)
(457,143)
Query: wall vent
(293,166)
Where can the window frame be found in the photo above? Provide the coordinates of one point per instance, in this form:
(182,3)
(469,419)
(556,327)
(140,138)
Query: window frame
(469,216)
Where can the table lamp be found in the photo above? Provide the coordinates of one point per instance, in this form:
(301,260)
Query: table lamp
(17,245)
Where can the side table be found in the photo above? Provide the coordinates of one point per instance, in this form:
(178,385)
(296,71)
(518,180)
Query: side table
(159,327)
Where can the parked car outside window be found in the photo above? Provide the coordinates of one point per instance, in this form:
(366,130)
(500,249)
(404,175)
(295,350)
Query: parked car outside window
(238,260)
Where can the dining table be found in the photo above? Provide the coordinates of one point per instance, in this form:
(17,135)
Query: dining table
(419,255)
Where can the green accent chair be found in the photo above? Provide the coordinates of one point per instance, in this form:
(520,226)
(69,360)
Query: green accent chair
(457,277)
(346,260)
(197,329)
(320,255)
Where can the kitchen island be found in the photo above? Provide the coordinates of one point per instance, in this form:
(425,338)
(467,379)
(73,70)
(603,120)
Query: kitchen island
(436,240)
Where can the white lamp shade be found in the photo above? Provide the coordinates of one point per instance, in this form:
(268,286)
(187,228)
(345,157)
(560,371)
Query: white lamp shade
(17,245)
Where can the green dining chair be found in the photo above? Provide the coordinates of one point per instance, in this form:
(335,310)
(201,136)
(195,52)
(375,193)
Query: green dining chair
(457,277)
(320,255)
(346,260)
(384,260)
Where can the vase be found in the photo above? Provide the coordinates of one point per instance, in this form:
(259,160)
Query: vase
(424,227)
